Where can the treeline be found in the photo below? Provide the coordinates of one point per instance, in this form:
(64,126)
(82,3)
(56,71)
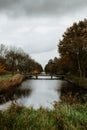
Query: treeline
(52,66)
(73,52)
(14,60)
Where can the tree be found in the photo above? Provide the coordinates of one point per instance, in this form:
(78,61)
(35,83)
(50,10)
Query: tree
(11,61)
(51,67)
(3,50)
(65,65)
(16,60)
(74,45)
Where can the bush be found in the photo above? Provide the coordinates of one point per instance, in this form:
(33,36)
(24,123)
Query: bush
(2,70)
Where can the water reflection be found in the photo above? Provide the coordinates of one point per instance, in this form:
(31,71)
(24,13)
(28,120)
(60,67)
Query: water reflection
(14,94)
(6,105)
(34,93)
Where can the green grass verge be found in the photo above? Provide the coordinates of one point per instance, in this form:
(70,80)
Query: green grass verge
(63,117)
(7,76)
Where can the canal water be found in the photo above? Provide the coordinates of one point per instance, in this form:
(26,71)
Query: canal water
(42,92)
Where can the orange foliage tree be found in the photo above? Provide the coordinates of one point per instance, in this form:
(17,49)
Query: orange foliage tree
(2,70)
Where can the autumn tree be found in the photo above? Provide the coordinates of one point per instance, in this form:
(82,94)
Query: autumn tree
(74,45)
(11,61)
(51,67)
(19,61)
(65,65)
(16,60)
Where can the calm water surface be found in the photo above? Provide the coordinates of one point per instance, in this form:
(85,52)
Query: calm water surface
(42,92)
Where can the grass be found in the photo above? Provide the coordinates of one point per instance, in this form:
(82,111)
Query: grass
(63,117)
(77,80)
(7,76)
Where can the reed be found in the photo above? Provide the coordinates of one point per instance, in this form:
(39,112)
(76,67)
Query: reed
(63,117)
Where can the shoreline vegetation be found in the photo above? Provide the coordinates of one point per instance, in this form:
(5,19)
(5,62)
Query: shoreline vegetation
(77,81)
(9,82)
(64,116)
(76,91)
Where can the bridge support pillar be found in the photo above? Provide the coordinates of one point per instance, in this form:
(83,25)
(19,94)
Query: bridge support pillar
(51,76)
(36,77)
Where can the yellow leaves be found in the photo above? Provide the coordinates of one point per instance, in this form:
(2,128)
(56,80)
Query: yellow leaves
(35,72)
(2,69)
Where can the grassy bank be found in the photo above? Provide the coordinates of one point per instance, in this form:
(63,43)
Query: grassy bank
(63,117)
(7,81)
(82,82)
(7,76)
(67,115)
(75,91)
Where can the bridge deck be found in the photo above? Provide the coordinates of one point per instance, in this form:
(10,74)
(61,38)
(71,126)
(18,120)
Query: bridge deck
(44,77)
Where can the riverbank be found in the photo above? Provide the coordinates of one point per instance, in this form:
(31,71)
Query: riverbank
(11,82)
(77,81)
(63,117)
(76,91)
(66,115)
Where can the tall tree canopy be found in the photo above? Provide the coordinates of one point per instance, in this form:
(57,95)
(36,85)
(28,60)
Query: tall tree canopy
(51,66)
(74,46)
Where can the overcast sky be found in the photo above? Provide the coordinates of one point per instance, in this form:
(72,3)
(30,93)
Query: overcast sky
(37,25)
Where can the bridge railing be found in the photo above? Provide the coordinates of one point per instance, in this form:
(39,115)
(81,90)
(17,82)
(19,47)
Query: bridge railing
(37,76)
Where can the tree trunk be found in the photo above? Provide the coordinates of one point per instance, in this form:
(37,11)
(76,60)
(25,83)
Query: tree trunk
(36,77)
(79,67)
(84,73)
(51,76)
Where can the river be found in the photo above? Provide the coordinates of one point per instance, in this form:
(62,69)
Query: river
(42,92)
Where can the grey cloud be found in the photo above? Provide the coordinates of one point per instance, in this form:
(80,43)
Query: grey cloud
(30,24)
(40,7)
(7,4)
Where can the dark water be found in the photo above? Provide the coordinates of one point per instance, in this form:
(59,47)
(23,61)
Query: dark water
(34,93)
